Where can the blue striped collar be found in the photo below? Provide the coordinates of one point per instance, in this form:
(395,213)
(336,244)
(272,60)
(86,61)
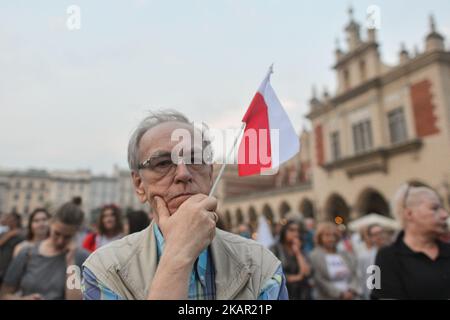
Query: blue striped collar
(199,270)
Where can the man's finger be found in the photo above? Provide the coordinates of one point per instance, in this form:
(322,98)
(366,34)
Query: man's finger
(209,203)
(214,216)
(161,210)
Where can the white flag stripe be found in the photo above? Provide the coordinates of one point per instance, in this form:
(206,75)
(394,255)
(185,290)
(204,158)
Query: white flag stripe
(286,143)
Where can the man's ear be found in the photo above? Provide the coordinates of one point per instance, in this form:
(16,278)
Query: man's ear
(139,186)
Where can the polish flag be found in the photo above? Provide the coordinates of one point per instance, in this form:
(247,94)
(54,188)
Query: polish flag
(269,138)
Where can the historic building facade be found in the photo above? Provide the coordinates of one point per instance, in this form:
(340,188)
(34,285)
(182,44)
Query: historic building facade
(23,191)
(384,126)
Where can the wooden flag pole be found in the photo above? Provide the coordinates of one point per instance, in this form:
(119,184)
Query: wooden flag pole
(225,162)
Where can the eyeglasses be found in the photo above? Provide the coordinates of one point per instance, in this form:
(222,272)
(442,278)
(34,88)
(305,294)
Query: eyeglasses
(163,164)
(406,195)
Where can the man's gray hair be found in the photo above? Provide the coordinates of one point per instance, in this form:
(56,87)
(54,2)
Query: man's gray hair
(152,120)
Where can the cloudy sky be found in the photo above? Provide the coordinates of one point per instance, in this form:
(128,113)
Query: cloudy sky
(70,99)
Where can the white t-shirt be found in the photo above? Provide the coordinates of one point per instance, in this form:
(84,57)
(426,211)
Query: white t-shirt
(338,271)
(103,240)
(366,259)
(3,229)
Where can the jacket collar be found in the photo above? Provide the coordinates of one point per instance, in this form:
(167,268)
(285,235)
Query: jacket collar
(202,259)
(230,273)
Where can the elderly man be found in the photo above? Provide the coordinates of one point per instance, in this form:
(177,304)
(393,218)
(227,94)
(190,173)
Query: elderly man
(181,255)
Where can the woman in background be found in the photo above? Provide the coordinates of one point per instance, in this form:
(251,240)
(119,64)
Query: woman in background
(37,229)
(335,272)
(295,266)
(109,228)
(41,271)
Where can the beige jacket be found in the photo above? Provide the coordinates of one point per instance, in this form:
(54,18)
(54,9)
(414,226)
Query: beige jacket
(127,266)
(323,284)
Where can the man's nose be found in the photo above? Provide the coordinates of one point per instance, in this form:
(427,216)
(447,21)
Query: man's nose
(182,175)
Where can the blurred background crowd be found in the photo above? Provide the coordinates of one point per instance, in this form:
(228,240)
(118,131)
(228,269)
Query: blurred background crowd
(321,260)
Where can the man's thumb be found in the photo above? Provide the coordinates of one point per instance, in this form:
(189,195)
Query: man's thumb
(162,212)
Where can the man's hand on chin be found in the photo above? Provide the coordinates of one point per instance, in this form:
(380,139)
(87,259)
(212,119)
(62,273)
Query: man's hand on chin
(191,228)
(187,232)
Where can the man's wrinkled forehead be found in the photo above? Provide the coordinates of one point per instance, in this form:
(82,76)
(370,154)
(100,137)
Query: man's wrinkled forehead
(159,138)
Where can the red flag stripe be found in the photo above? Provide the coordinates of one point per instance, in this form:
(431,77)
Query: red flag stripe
(256,118)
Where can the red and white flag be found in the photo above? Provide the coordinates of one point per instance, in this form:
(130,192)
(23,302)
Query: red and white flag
(269,138)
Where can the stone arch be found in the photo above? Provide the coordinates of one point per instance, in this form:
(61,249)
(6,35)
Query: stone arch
(239,217)
(306,208)
(372,201)
(227,219)
(268,214)
(285,208)
(336,206)
(253,218)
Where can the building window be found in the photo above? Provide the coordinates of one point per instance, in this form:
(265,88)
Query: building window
(346,79)
(28,196)
(362,70)
(17,184)
(42,186)
(335,146)
(397,126)
(362,136)
(30,185)
(16,196)
(41,198)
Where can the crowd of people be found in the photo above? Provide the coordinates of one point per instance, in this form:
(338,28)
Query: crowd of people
(34,260)
(320,260)
(325,261)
